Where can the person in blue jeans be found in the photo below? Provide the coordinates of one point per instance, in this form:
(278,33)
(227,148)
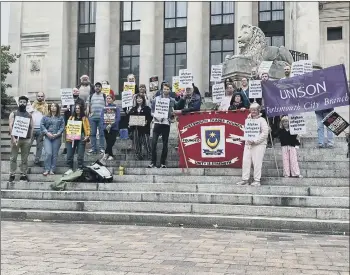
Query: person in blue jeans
(52,127)
(329,142)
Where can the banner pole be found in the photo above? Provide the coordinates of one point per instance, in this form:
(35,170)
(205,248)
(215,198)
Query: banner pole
(182,147)
(273,146)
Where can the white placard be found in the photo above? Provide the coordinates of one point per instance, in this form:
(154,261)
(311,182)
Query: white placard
(218,92)
(162,108)
(127,97)
(297,68)
(265,66)
(308,68)
(216,73)
(297,124)
(20,127)
(186,78)
(67,96)
(251,129)
(255,89)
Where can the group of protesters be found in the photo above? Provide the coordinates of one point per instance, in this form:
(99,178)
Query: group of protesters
(48,123)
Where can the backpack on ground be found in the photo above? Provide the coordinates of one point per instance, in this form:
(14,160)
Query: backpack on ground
(97,172)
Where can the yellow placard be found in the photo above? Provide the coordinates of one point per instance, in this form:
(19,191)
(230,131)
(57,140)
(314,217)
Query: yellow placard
(73,130)
(129,86)
(106,89)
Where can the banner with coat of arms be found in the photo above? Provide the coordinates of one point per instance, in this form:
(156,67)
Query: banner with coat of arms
(212,139)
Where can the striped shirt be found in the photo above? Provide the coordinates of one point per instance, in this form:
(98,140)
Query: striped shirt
(97,104)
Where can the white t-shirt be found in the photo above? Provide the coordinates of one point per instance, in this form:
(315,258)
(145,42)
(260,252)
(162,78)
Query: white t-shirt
(37,116)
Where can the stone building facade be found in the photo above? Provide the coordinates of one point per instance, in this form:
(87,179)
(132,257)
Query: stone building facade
(59,41)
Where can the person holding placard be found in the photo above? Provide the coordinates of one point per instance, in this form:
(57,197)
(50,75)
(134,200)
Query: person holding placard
(322,142)
(86,89)
(289,153)
(80,139)
(21,128)
(110,117)
(158,93)
(256,132)
(189,102)
(52,127)
(140,124)
(111,92)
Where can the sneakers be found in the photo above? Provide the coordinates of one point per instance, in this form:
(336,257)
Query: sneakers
(151,166)
(52,173)
(45,173)
(23,178)
(321,146)
(255,183)
(70,171)
(12,178)
(163,166)
(243,182)
(91,151)
(102,151)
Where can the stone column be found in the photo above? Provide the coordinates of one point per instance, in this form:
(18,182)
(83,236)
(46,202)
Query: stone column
(307,33)
(102,41)
(243,15)
(147,41)
(195,42)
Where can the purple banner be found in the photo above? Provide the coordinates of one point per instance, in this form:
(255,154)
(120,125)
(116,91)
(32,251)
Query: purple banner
(319,90)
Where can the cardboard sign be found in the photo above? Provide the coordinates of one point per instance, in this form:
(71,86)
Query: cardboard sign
(265,66)
(129,86)
(137,121)
(255,89)
(73,130)
(251,129)
(67,96)
(186,78)
(297,124)
(20,127)
(153,83)
(334,122)
(109,115)
(162,108)
(106,89)
(216,73)
(127,97)
(218,92)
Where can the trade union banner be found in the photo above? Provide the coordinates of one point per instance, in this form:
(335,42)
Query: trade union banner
(212,139)
(318,90)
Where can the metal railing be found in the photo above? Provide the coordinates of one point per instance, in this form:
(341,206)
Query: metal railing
(298,55)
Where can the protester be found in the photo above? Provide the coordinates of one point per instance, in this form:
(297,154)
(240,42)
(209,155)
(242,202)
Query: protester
(237,102)
(329,142)
(78,145)
(289,152)
(254,150)
(161,127)
(141,134)
(142,92)
(110,117)
(111,92)
(24,144)
(97,102)
(254,74)
(287,72)
(159,92)
(225,103)
(131,78)
(228,81)
(86,89)
(40,109)
(52,127)
(189,102)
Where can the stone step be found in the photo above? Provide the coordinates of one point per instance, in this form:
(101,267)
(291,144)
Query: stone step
(213,221)
(175,197)
(189,208)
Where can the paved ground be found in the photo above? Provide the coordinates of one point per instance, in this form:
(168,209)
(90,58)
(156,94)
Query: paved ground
(44,248)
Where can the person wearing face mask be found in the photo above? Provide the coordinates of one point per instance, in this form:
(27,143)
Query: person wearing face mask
(254,150)
(287,72)
(19,143)
(40,109)
(52,127)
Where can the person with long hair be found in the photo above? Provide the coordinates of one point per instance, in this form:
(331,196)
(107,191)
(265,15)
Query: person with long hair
(79,145)
(52,127)
(141,134)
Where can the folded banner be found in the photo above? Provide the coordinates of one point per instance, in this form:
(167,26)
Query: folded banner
(212,139)
(319,90)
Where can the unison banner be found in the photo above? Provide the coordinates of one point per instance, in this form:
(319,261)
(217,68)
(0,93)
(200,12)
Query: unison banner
(319,90)
(212,139)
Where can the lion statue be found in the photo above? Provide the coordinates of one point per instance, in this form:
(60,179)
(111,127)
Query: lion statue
(252,43)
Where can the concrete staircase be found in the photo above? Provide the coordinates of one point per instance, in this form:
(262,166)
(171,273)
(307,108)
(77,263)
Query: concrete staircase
(319,202)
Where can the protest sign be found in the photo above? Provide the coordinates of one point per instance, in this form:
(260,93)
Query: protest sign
(251,129)
(129,86)
(218,92)
(323,89)
(176,86)
(297,125)
(106,89)
(162,108)
(186,78)
(334,122)
(153,83)
(20,127)
(137,121)
(216,73)
(67,96)
(297,68)
(265,66)
(109,115)
(127,97)
(73,130)
(255,89)
(308,67)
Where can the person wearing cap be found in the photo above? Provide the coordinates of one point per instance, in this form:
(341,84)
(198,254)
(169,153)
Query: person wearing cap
(254,150)
(20,143)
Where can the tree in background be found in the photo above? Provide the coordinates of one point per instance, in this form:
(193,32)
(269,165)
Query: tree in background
(7,59)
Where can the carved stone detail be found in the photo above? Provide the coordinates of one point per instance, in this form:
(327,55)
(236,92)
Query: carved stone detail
(35,66)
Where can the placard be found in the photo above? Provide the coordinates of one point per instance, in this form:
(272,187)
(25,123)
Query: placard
(308,67)
(162,108)
(297,68)
(129,86)
(265,66)
(185,78)
(73,130)
(297,124)
(109,115)
(20,127)
(251,129)
(336,123)
(176,86)
(106,89)
(67,96)
(255,89)
(153,83)
(218,92)
(137,120)
(216,73)
(127,97)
